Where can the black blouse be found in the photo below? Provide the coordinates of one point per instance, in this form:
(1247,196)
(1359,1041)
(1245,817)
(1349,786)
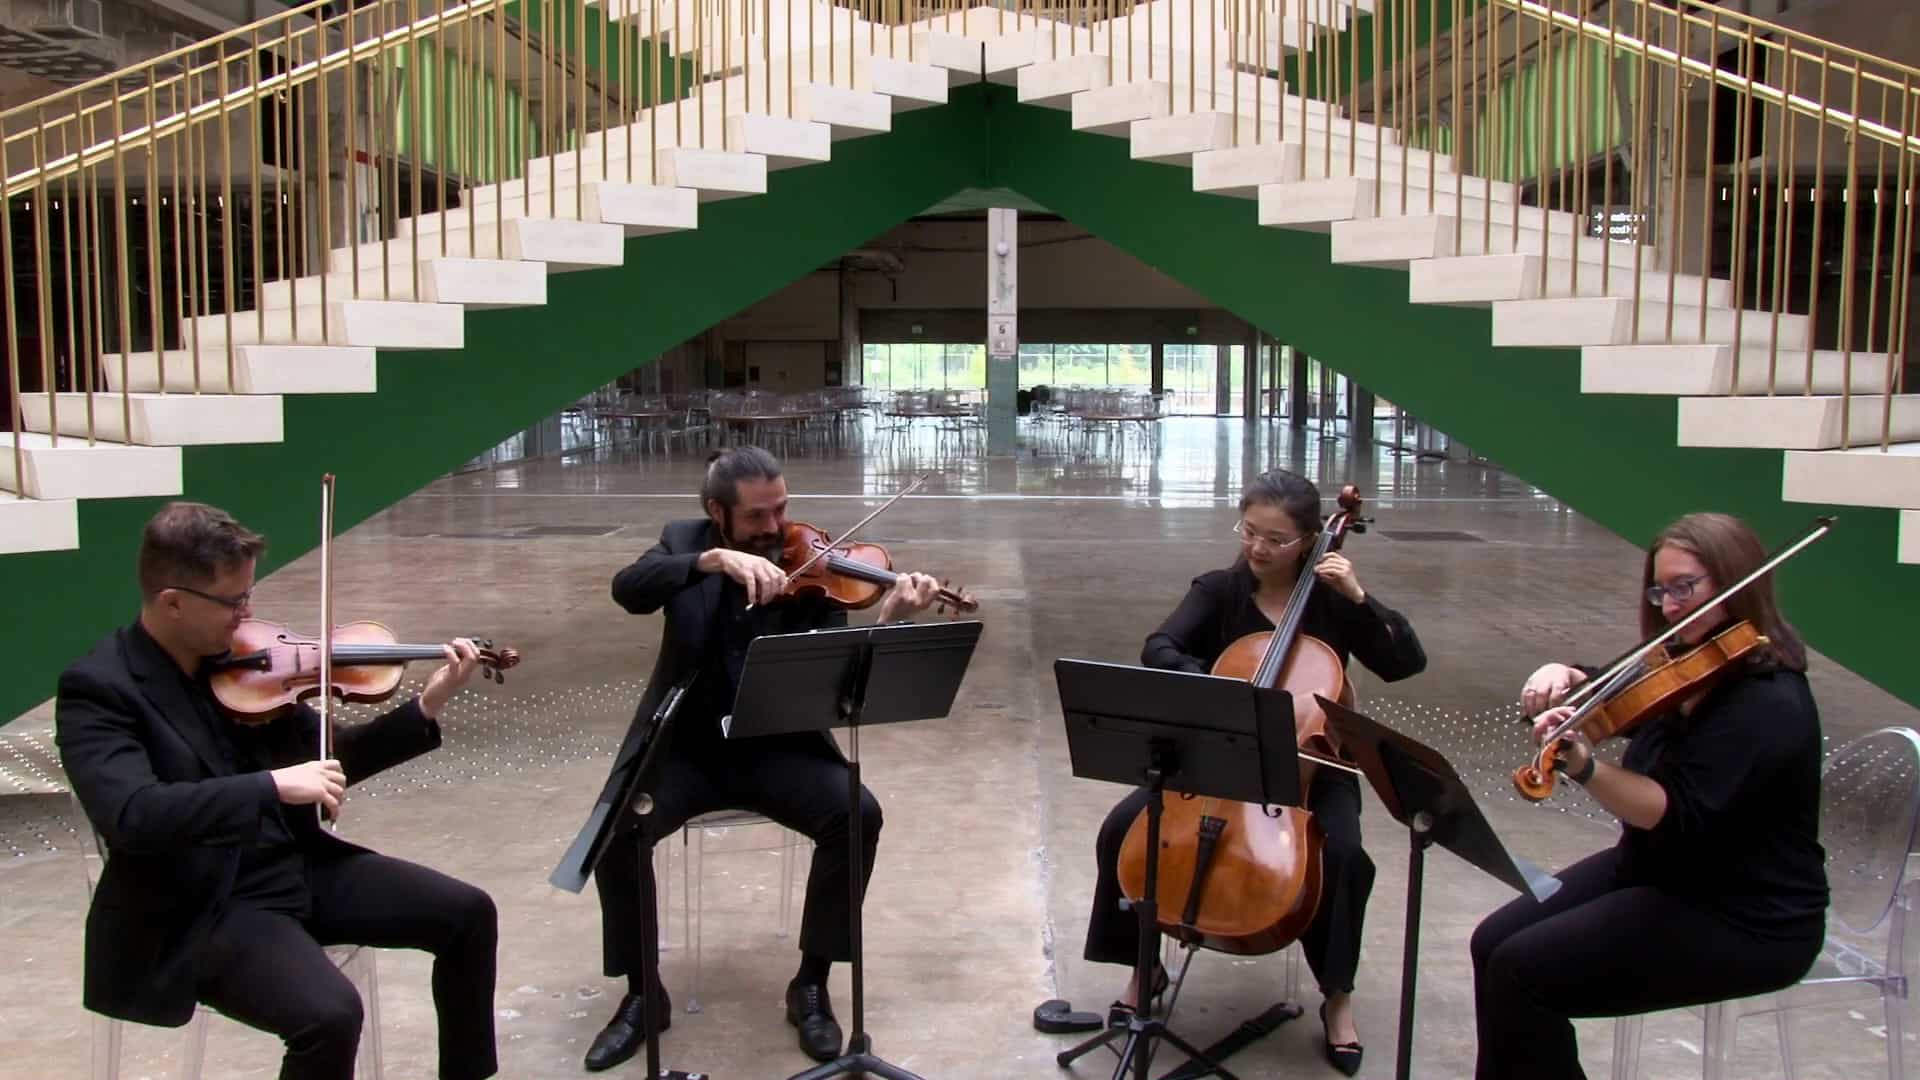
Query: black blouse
(1741,833)
(1219,609)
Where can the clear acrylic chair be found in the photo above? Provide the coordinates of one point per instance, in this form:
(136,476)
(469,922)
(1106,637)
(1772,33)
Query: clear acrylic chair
(1869,824)
(693,843)
(355,961)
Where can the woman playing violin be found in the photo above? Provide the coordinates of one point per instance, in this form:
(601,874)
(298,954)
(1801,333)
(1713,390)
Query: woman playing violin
(1717,888)
(1279,518)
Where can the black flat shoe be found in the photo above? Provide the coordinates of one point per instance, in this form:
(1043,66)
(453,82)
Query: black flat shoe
(622,1036)
(809,1010)
(1119,1013)
(1342,1056)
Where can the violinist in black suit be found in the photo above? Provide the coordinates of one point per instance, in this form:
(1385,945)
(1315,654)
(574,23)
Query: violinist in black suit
(704,573)
(220,886)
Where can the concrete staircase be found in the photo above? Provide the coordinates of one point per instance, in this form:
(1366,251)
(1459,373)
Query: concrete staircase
(824,76)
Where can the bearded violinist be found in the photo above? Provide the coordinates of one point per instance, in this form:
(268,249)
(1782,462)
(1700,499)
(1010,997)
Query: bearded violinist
(1717,888)
(704,573)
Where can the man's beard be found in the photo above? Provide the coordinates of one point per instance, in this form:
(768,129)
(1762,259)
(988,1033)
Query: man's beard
(767,545)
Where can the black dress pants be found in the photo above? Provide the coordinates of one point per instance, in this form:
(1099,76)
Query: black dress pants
(1598,948)
(268,970)
(796,780)
(1331,942)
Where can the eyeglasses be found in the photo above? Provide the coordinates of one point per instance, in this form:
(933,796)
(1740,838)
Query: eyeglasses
(1681,590)
(231,603)
(1251,536)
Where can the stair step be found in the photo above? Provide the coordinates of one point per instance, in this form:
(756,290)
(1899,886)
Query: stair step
(473,282)
(906,84)
(1314,205)
(555,245)
(1859,476)
(38,524)
(714,174)
(1909,537)
(382,324)
(1796,422)
(639,209)
(257,369)
(958,57)
(747,121)
(1479,280)
(1242,171)
(1174,140)
(1703,370)
(1608,320)
(159,419)
(1394,242)
(77,469)
(1111,110)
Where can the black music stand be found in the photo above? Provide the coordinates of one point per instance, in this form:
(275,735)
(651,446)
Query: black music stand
(824,679)
(1422,792)
(636,793)
(1172,731)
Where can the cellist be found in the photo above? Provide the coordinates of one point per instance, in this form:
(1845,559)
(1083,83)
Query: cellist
(1717,888)
(1279,519)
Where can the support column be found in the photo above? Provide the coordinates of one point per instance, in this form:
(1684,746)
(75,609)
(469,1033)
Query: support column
(1003,337)
(1360,417)
(1159,365)
(1297,390)
(1250,396)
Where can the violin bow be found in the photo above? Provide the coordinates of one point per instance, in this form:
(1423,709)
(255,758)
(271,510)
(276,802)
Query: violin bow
(1596,689)
(326,629)
(857,526)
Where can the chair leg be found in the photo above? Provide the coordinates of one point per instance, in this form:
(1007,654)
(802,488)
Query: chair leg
(697,908)
(1891,1007)
(789,850)
(194,1057)
(106,1047)
(372,1063)
(1783,1026)
(1626,1047)
(1718,1029)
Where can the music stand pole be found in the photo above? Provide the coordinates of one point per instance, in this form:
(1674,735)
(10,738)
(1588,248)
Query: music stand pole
(1419,837)
(823,679)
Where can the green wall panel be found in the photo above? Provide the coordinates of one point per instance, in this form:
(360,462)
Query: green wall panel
(1611,457)
(436,410)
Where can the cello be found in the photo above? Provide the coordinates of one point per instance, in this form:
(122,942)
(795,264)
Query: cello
(1243,878)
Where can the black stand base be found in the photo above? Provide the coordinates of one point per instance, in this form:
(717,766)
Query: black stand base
(1135,1056)
(1248,1033)
(857,1061)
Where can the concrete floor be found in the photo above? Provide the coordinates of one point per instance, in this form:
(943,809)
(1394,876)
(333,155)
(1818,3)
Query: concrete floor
(978,907)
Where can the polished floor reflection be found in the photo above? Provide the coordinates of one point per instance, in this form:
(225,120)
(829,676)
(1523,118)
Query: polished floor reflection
(1077,547)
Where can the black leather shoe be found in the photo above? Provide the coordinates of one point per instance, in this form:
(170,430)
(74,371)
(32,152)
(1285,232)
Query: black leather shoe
(809,1010)
(1342,1056)
(622,1036)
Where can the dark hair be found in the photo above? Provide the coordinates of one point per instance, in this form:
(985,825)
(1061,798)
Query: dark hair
(1294,494)
(190,543)
(1730,550)
(727,467)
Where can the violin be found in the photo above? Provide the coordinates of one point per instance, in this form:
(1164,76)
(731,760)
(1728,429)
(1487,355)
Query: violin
(1653,678)
(1239,877)
(850,575)
(270,669)
(1667,680)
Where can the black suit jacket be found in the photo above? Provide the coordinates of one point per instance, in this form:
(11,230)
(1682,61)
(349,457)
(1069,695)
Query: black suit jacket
(666,578)
(174,817)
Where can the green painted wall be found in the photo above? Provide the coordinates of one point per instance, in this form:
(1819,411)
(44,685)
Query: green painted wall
(436,410)
(1613,458)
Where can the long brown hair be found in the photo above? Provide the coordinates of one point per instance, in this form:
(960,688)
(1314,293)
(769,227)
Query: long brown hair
(1730,550)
